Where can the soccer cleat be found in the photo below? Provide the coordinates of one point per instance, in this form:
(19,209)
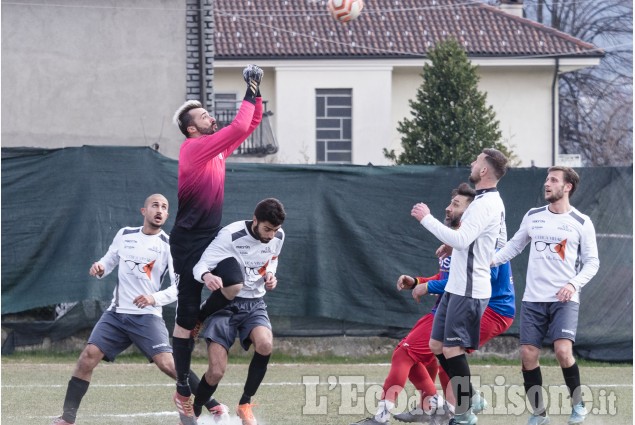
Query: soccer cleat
(578,415)
(245,414)
(219,413)
(538,420)
(370,421)
(60,421)
(185,407)
(467,418)
(478,403)
(414,416)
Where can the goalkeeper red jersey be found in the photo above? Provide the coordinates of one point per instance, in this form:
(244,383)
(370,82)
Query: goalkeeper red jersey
(201,187)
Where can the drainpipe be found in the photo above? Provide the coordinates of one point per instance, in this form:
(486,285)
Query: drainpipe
(202,63)
(554,132)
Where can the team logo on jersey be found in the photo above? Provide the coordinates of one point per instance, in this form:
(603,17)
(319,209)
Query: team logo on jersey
(147,269)
(554,247)
(141,267)
(565,227)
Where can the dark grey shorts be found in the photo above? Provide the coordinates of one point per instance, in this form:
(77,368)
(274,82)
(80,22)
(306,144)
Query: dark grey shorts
(114,332)
(457,322)
(238,318)
(550,321)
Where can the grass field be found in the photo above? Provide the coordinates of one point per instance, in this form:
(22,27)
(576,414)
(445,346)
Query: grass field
(132,392)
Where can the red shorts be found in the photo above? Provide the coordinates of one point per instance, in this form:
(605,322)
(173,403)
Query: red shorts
(417,342)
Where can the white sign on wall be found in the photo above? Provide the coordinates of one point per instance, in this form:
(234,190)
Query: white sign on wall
(570,160)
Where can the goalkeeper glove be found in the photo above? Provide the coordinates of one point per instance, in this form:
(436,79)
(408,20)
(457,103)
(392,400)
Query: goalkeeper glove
(252,75)
(253,72)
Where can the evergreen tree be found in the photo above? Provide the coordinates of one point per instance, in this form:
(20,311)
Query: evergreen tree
(452,122)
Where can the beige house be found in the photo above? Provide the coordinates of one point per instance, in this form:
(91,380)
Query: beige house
(76,73)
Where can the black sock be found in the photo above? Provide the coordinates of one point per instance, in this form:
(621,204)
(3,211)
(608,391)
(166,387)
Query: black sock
(214,302)
(533,390)
(182,352)
(255,375)
(572,379)
(460,381)
(203,394)
(75,391)
(194,382)
(443,362)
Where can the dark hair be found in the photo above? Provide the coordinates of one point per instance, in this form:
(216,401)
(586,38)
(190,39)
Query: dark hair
(182,117)
(497,160)
(570,176)
(466,190)
(270,210)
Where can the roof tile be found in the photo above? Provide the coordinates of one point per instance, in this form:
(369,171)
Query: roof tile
(299,29)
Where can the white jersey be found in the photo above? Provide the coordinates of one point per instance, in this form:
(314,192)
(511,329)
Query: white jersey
(256,258)
(482,231)
(143,261)
(563,250)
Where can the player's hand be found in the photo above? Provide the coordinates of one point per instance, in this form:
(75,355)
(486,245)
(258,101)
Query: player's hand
(271,281)
(443,251)
(142,301)
(565,293)
(253,72)
(405,282)
(419,291)
(212,282)
(96,270)
(419,211)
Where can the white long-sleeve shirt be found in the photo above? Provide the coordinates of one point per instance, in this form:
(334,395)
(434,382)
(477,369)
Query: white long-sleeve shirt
(563,250)
(143,261)
(256,258)
(482,230)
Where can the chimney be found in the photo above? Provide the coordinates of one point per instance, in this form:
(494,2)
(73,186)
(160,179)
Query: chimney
(513,7)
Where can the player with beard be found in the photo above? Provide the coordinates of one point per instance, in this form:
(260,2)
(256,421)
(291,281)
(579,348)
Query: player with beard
(201,192)
(244,253)
(563,257)
(413,358)
(456,326)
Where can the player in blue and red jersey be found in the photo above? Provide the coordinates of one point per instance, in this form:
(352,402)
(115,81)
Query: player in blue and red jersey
(201,191)
(412,359)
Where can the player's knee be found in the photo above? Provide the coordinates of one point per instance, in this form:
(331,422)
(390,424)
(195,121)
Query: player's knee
(264,348)
(529,356)
(230,272)
(213,375)
(89,358)
(436,347)
(187,319)
(564,355)
(231,291)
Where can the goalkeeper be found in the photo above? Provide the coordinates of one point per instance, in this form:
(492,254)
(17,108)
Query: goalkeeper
(201,190)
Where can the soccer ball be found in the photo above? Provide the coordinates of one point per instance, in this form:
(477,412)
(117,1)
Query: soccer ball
(345,10)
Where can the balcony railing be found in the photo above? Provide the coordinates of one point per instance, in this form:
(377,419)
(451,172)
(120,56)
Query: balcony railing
(261,142)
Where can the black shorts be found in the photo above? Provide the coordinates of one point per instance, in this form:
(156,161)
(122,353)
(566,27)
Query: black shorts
(187,247)
(237,319)
(114,332)
(457,321)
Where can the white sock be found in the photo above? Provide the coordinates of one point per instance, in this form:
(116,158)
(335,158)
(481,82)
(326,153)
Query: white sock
(383,410)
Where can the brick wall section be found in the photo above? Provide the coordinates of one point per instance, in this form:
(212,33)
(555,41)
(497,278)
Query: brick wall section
(193,60)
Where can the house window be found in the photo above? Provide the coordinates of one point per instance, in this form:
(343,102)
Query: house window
(225,101)
(333,126)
